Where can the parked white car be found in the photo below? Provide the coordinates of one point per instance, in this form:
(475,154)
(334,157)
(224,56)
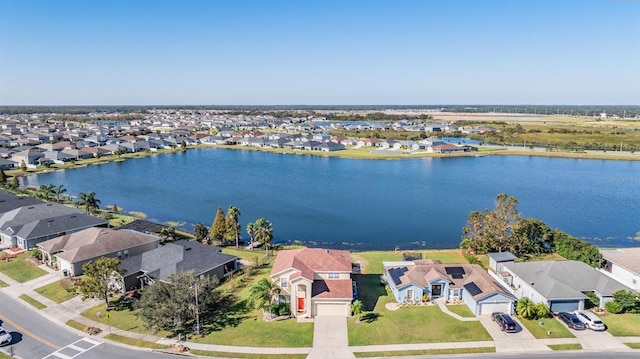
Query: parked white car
(5,338)
(590,320)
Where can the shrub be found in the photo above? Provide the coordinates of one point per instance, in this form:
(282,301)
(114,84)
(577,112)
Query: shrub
(473,259)
(627,301)
(593,301)
(36,253)
(542,310)
(613,307)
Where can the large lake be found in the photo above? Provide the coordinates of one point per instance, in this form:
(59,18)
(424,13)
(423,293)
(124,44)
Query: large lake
(368,204)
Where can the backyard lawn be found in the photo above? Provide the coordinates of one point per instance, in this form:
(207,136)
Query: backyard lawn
(57,291)
(409,325)
(557,328)
(20,269)
(622,325)
(374,259)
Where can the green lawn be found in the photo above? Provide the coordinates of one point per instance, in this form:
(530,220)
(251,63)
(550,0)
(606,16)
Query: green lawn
(20,270)
(410,325)
(557,328)
(56,291)
(246,356)
(245,254)
(76,325)
(123,317)
(633,345)
(32,301)
(3,284)
(426,352)
(570,346)
(135,342)
(374,259)
(622,325)
(462,310)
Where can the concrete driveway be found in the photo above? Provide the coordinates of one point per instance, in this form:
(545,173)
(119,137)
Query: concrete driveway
(330,338)
(592,340)
(520,341)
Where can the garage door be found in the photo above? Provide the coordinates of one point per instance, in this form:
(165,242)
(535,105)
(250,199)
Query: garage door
(565,305)
(490,307)
(331,309)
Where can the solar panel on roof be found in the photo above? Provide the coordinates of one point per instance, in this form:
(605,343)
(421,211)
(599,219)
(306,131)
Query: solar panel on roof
(456,276)
(396,273)
(472,288)
(454,270)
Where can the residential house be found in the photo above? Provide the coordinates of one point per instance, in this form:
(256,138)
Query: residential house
(623,265)
(73,250)
(314,281)
(560,284)
(26,226)
(183,255)
(496,260)
(9,201)
(420,280)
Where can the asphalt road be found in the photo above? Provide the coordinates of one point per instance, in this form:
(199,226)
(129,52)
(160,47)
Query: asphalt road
(35,337)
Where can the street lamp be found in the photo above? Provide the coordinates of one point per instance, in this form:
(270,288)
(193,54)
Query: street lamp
(197,307)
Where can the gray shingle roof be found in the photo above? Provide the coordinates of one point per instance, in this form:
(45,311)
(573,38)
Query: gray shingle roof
(9,202)
(502,256)
(564,279)
(182,255)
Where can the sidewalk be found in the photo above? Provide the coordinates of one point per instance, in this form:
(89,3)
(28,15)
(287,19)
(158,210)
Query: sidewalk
(325,340)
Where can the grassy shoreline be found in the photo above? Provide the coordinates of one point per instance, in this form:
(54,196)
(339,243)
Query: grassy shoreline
(350,153)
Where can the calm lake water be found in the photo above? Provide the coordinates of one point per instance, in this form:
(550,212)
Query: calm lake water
(368,204)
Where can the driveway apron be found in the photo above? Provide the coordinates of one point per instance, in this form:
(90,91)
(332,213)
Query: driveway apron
(330,338)
(520,341)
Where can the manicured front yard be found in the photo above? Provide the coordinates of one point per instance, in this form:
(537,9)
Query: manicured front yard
(407,325)
(622,325)
(426,352)
(20,269)
(32,301)
(57,291)
(550,325)
(462,310)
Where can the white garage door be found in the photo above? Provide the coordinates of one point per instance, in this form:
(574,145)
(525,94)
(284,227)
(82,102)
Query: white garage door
(488,308)
(331,309)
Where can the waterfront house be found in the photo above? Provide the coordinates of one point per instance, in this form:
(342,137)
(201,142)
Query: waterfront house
(428,280)
(314,281)
(623,264)
(560,284)
(73,250)
(26,226)
(183,255)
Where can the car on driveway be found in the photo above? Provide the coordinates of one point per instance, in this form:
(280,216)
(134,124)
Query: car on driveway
(571,320)
(5,338)
(590,320)
(506,323)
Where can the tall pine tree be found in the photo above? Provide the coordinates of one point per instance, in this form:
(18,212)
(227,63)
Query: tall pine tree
(219,226)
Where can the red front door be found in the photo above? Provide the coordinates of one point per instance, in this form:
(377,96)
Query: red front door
(300,304)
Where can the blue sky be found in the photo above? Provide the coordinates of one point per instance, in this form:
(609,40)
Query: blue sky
(319,52)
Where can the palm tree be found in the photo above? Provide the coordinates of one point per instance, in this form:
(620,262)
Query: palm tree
(264,233)
(89,201)
(233,214)
(167,234)
(251,230)
(526,308)
(263,292)
(58,191)
(45,192)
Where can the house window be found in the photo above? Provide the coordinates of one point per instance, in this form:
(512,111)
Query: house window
(283,282)
(409,294)
(126,253)
(119,254)
(634,281)
(334,275)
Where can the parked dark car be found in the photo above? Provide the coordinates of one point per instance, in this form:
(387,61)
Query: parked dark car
(571,320)
(506,323)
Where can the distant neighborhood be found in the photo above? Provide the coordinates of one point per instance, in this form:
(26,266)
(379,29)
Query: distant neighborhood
(38,140)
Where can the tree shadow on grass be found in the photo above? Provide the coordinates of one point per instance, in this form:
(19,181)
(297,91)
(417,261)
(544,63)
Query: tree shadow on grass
(369,317)
(229,313)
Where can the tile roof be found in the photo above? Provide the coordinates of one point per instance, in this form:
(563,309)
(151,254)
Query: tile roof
(628,258)
(310,260)
(332,289)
